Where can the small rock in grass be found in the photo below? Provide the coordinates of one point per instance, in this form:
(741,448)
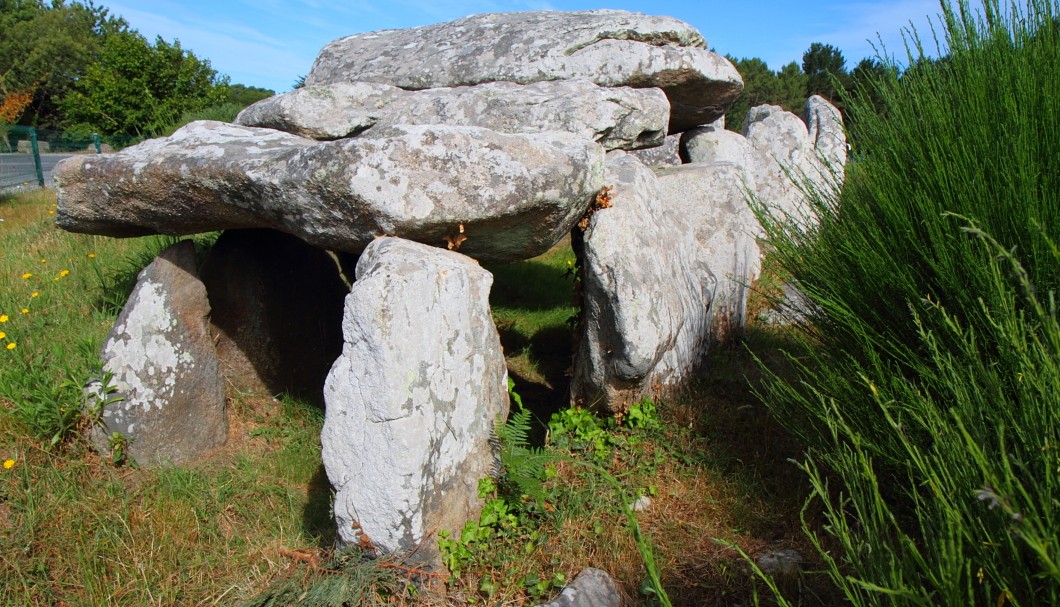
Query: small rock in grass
(782,563)
(590,588)
(643,503)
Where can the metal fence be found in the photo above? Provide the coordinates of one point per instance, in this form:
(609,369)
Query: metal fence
(27,154)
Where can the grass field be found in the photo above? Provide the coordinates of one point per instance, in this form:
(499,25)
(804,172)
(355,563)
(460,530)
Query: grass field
(251,525)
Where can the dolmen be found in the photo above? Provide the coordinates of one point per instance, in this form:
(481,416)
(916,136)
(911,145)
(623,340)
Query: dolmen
(412,156)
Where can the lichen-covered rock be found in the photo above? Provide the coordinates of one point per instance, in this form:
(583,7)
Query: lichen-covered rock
(333,111)
(712,143)
(620,117)
(825,126)
(645,293)
(514,195)
(713,199)
(665,273)
(608,47)
(793,160)
(277,311)
(170,394)
(667,154)
(413,401)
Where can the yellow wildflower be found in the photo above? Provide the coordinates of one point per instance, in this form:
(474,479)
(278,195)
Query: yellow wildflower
(11,346)
(43,260)
(91,255)
(64,273)
(2,335)
(25,310)
(35,294)
(27,275)
(51,212)
(3,318)
(9,464)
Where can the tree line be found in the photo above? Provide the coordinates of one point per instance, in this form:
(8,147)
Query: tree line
(823,72)
(75,67)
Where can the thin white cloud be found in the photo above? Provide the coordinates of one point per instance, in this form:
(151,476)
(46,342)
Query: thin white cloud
(872,28)
(233,48)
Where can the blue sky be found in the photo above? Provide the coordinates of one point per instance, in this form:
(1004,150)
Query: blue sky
(269,43)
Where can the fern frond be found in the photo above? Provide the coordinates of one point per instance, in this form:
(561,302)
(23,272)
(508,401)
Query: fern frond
(522,465)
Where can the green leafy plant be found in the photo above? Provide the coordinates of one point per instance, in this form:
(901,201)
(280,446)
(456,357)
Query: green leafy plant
(928,397)
(119,449)
(579,429)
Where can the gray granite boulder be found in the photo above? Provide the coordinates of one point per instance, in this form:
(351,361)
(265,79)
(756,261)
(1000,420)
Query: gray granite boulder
(620,117)
(590,588)
(608,47)
(334,111)
(794,161)
(166,380)
(645,292)
(707,144)
(412,403)
(713,199)
(825,125)
(667,154)
(509,197)
(277,311)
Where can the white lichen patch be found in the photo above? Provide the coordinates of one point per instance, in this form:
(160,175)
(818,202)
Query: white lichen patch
(140,348)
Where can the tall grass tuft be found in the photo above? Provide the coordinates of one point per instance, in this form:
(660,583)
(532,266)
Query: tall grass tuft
(930,400)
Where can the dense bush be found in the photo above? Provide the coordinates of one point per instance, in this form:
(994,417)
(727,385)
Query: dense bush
(930,397)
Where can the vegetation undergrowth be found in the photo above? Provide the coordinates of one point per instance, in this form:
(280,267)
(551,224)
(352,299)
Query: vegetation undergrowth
(76,529)
(251,524)
(930,381)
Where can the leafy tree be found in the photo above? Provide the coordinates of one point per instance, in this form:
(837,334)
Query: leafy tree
(763,86)
(759,86)
(822,63)
(791,88)
(46,47)
(242,95)
(138,88)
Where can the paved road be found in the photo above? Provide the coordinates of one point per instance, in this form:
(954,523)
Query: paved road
(17,169)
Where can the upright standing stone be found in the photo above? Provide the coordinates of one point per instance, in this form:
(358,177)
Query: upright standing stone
(412,403)
(708,144)
(825,126)
(165,370)
(713,199)
(645,294)
(797,155)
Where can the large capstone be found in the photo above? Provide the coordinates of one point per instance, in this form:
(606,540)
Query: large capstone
(622,117)
(608,47)
(504,197)
(412,403)
(165,401)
